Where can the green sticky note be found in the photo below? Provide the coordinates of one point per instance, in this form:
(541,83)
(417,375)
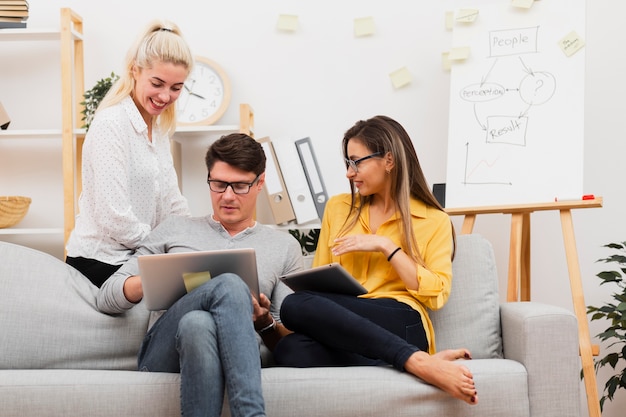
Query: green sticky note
(193,280)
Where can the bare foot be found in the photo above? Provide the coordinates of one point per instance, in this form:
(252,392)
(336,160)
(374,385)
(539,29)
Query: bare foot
(441,371)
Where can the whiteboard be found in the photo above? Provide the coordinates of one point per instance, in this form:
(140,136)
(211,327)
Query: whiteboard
(516,123)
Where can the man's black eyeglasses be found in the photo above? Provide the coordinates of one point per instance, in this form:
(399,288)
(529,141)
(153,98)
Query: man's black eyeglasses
(218,186)
(354,164)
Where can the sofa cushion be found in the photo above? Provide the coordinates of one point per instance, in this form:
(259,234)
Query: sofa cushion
(475,284)
(50,319)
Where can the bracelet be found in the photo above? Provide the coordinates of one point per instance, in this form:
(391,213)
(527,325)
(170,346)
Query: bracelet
(269,327)
(393,253)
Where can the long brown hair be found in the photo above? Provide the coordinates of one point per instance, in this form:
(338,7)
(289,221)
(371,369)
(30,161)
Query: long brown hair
(385,135)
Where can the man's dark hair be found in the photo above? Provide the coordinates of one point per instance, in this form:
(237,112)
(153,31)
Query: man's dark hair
(238,150)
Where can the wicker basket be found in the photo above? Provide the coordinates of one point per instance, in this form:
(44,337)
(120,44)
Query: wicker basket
(12,210)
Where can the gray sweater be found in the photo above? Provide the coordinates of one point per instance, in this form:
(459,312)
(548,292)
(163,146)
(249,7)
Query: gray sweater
(277,253)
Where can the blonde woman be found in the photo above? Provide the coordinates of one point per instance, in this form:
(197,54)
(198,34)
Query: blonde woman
(129,181)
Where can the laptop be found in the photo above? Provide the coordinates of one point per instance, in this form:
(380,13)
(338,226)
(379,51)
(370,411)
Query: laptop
(325,278)
(168,276)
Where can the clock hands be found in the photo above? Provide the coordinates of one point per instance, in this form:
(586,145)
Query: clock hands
(191,93)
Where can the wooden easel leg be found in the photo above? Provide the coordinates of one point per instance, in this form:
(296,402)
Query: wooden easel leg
(525,259)
(468,224)
(578,299)
(515,255)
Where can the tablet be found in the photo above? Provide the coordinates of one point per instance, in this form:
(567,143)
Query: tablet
(325,278)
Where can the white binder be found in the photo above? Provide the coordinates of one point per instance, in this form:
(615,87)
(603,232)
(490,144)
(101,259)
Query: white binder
(312,173)
(295,180)
(275,188)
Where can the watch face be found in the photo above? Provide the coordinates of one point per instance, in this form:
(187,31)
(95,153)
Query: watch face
(205,95)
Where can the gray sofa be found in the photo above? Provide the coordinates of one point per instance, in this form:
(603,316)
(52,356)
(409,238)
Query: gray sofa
(60,357)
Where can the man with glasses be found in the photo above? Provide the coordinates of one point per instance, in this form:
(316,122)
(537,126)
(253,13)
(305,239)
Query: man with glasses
(208,335)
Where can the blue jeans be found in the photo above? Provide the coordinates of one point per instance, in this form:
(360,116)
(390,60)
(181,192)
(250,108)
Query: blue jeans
(208,336)
(343,330)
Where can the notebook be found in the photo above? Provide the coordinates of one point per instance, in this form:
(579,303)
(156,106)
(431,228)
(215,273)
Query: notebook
(168,276)
(325,278)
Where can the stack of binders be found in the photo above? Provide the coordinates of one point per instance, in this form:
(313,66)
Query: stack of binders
(13,14)
(301,181)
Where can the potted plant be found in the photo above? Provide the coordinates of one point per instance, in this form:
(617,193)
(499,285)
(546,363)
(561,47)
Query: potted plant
(307,239)
(94,96)
(308,243)
(615,313)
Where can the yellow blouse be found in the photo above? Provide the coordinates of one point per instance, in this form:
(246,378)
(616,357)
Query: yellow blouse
(433,232)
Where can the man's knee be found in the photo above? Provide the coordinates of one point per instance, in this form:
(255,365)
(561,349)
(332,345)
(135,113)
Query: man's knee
(228,285)
(196,323)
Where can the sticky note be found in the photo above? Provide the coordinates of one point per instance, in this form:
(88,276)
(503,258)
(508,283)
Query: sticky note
(449,19)
(364,26)
(467,15)
(446,64)
(193,280)
(571,44)
(400,77)
(459,53)
(287,22)
(522,4)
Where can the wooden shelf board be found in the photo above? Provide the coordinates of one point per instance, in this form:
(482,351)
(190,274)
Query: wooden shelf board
(31,231)
(210,128)
(36,133)
(8,35)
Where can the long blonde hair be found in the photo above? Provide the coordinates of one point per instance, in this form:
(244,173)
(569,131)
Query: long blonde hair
(383,134)
(160,41)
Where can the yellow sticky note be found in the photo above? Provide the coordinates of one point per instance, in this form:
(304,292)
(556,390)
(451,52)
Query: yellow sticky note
(193,280)
(571,44)
(449,20)
(459,53)
(446,64)
(400,77)
(467,15)
(522,4)
(364,26)
(287,22)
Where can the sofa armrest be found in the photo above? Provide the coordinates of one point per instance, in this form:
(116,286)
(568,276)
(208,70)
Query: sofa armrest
(545,340)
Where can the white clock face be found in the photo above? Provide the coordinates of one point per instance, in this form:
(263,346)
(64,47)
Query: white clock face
(205,95)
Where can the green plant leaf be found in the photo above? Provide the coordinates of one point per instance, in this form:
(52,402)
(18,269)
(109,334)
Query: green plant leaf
(94,96)
(615,313)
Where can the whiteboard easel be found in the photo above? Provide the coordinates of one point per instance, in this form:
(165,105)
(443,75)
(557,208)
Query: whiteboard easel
(518,285)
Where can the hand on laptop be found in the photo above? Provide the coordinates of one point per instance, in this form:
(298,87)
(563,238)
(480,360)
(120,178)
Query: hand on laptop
(132,289)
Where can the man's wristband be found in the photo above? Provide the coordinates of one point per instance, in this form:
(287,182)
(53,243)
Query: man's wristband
(268,328)
(393,253)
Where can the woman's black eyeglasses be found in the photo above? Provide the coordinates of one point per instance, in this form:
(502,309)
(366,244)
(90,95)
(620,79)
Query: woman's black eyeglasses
(354,164)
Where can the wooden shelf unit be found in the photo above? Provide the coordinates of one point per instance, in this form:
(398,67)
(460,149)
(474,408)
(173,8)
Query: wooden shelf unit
(70,37)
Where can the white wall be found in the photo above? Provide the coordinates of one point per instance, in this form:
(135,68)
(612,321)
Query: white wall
(317,82)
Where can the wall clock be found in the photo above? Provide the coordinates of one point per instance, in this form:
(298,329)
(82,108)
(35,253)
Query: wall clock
(205,95)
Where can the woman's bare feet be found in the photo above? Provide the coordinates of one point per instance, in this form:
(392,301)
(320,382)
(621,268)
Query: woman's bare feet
(441,371)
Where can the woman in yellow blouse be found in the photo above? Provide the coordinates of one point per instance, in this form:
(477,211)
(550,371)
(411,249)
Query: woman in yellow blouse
(392,235)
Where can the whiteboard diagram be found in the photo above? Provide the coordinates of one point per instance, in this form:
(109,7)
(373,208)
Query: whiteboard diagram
(516,107)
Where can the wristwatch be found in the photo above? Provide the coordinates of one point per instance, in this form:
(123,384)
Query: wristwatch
(270,327)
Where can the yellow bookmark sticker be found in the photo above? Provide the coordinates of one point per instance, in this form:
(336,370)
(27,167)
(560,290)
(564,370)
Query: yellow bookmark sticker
(193,280)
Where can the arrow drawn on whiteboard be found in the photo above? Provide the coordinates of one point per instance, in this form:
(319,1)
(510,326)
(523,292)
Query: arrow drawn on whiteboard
(482,126)
(486,77)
